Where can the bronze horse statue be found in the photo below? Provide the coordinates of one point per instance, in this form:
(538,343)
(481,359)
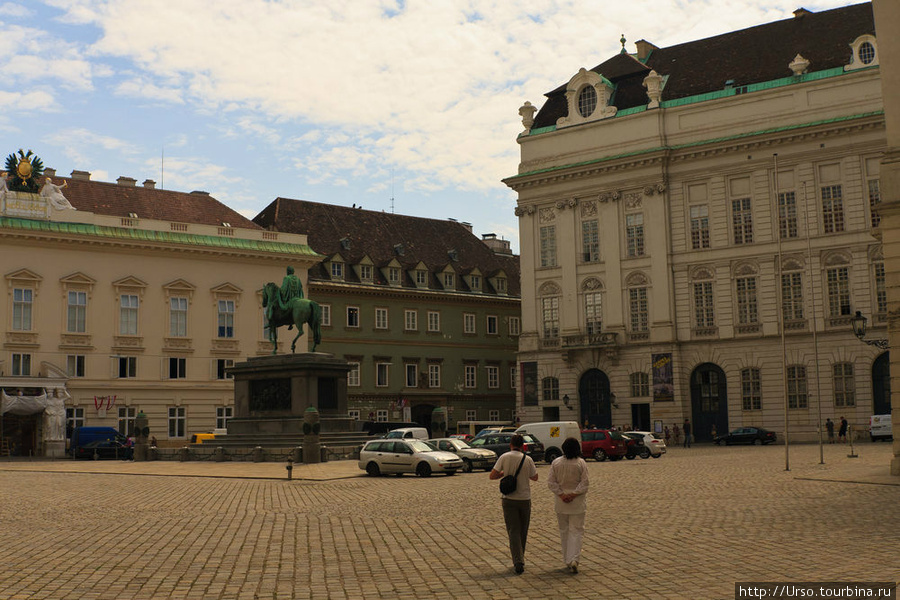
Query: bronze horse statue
(299,311)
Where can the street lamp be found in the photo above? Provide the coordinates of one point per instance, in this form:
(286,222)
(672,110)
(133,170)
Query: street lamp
(859,330)
(566,402)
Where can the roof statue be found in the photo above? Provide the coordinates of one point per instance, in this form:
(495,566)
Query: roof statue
(53,194)
(24,171)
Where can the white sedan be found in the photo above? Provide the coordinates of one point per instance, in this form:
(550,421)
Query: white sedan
(473,458)
(653,441)
(406,456)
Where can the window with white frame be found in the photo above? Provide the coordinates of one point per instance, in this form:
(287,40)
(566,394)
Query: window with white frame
(421,278)
(222,366)
(640,384)
(475,283)
(832,208)
(434,321)
(493,415)
(21,364)
(449,281)
(326,315)
(638,309)
(382,374)
(471,415)
(550,317)
(394,276)
(223,413)
(126,420)
(178,313)
(838,280)
(353,374)
(126,367)
(593,313)
(23,301)
(745,288)
(353,413)
(798,396)
(381,415)
(353,316)
(500,285)
(365,273)
(128,314)
(751,389)
(550,388)
(699,226)
(471,376)
(880,289)
(412,375)
(548,246)
(634,234)
(74,418)
(177,421)
(76,312)
(177,367)
(844,387)
(515,326)
(410,320)
(493,325)
(434,375)
(225,318)
(787,215)
(590,241)
(337,270)
(493,377)
(704,307)
(792,296)
(469,323)
(742,221)
(381,318)
(75,365)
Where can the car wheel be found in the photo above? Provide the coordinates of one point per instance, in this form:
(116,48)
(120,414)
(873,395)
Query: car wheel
(630,456)
(599,455)
(645,453)
(657,455)
(552,455)
(372,469)
(423,469)
(449,473)
(467,466)
(753,441)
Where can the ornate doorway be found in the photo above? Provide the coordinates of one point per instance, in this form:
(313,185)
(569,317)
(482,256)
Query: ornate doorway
(881,385)
(595,399)
(709,402)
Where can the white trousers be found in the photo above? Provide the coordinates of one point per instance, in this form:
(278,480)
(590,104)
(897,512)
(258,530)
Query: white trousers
(571,533)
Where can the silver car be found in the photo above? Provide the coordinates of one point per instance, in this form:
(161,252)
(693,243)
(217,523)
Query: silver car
(406,456)
(473,458)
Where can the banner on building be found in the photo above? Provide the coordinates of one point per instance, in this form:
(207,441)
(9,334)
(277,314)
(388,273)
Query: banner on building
(663,382)
(529,384)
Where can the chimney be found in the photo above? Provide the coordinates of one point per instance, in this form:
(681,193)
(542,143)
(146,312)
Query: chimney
(48,172)
(644,48)
(149,184)
(81,175)
(497,246)
(467,225)
(801,12)
(199,193)
(126,181)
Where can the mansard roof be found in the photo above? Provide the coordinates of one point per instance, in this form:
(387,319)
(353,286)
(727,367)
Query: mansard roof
(754,55)
(384,237)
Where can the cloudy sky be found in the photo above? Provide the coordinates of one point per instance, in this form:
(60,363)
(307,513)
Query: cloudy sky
(403,105)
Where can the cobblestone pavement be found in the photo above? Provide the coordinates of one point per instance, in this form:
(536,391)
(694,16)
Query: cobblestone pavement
(685,526)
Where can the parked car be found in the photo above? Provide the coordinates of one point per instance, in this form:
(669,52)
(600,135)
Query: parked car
(417,433)
(552,434)
(747,435)
(473,458)
(497,429)
(635,446)
(406,456)
(105,449)
(199,438)
(82,436)
(462,436)
(602,444)
(653,441)
(499,443)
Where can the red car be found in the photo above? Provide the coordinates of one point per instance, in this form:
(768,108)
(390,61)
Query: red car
(602,444)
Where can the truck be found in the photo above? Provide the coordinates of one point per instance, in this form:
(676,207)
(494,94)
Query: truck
(880,427)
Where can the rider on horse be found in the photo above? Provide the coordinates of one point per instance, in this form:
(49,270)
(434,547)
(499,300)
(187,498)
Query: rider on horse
(291,288)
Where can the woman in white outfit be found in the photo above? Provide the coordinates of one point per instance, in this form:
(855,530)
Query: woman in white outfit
(568,480)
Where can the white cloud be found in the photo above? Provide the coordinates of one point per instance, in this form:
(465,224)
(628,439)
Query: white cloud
(28,101)
(86,148)
(13,10)
(140,88)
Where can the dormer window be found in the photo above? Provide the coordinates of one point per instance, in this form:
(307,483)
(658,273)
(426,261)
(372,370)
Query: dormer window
(500,285)
(365,273)
(421,278)
(475,283)
(337,270)
(449,281)
(587,101)
(864,53)
(394,276)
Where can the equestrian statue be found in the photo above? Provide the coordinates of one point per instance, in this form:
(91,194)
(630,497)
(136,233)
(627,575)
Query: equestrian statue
(286,305)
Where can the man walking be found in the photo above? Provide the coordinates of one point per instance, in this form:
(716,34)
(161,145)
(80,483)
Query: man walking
(516,504)
(829,427)
(687,433)
(842,432)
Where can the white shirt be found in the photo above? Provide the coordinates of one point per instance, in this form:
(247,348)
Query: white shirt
(569,476)
(507,464)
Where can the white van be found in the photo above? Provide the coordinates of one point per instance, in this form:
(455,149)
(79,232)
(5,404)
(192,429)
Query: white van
(552,434)
(880,427)
(408,433)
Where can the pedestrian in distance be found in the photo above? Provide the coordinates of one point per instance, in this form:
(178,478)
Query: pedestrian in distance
(842,432)
(568,480)
(677,433)
(829,427)
(667,434)
(517,504)
(686,427)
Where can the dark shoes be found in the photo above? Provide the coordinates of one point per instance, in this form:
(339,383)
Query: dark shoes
(520,568)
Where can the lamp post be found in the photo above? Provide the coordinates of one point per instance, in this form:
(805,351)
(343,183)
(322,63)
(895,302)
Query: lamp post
(858,323)
(566,402)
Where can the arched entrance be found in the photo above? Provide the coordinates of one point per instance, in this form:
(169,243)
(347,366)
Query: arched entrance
(709,402)
(881,385)
(421,414)
(595,399)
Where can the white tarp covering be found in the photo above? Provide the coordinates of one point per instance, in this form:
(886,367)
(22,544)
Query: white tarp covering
(53,407)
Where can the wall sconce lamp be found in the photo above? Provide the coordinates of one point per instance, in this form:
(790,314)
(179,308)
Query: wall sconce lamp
(858,323)
(566,402)
(612,399)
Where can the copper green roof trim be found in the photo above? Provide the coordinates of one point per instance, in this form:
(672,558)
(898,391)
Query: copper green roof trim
(147,235)
(700,143)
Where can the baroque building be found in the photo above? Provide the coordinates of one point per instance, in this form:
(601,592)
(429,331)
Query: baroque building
(426,313)
(699,227)
(129,299)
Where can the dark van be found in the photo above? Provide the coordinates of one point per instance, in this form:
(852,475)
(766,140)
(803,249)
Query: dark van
(82,436)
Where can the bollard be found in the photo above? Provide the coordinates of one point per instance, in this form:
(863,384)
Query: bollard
(290,468)
(258,454)
(297,454)
(96,455)
(323,454)
(184,454)
(219,454)
(853,453)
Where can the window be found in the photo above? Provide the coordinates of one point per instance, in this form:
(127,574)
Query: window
(475,283)
(699,226)
(866,53)
(746,300)
(127,367)
(638,309)
(381,318)
(127,415)
(493,377)
(742,221)
(226,318)
(411,320)
(434,375)
(421,278)
(74,418)
(381,374)
(550,316)
(326,314)
(704,308)
(833,208)
(792,296)
(412,375)
(515,326)
(587,101)
(76,312)
(434,321)
(353,375)
(223,413)
(634,234)
(353,414)
(880,289)
(796,382)
(874,201)
(468,323)
(352,316)
(449,281)
(471,376)
(513,373)
(177,421)
(222,364)
(471,415)
(178,308)
(751,389)
(128,314)
(844,388)
(548,246)
(838,291)
(75,365)
(493,415)
(381,415)
(593,315)
(21,364)
(493,325)
(365,273)
(500,285)
(23,300)
(337,270)
(787,215)
(640,384)
(590,241)
(550,388)
(394,276)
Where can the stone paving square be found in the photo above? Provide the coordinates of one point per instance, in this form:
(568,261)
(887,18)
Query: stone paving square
(685,526)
